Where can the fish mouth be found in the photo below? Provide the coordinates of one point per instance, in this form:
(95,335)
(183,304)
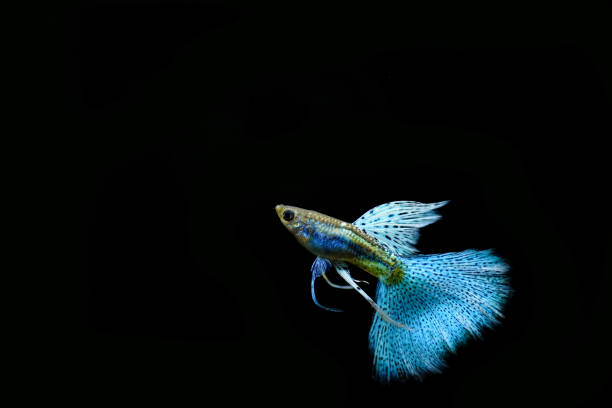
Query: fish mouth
(279,210)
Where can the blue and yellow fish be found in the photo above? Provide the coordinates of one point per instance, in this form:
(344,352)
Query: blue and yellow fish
(426,305)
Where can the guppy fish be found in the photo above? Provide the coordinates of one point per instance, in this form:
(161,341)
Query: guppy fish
(426,305)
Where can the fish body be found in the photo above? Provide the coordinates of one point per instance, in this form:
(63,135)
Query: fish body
(336,240)
(426,305)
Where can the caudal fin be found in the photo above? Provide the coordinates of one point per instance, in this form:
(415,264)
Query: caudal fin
(443,299)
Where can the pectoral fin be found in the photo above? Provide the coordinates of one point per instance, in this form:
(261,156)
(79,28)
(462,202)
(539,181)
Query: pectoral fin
(319,267)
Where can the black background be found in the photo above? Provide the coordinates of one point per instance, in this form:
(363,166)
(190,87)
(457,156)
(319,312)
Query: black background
(197,118)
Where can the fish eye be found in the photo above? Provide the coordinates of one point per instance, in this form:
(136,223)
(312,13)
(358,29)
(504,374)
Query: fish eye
(288,215)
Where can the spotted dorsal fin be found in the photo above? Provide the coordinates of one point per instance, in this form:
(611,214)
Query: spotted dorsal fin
(396,224)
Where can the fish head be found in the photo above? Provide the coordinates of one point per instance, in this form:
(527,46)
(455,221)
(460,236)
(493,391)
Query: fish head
(321,234)
(297,221)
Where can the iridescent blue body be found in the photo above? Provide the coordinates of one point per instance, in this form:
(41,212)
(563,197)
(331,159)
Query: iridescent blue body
(327,244)
(426,305)
(340,241)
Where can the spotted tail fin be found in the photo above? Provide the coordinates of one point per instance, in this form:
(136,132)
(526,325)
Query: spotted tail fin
(444,298)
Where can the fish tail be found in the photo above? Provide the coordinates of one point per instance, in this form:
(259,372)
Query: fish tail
(444,299)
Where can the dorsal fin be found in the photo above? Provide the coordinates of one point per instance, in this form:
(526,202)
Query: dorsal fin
(396,224)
